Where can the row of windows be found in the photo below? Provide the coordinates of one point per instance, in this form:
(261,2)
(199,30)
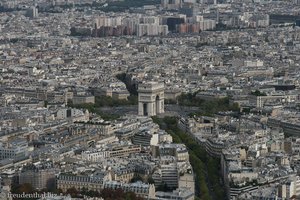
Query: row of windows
(8,150)
(64,183)
(125,152)
(134,189)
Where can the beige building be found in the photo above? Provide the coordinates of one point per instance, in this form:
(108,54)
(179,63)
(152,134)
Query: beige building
(83,99)
(94,183)
(122,94)
(193,124)
(124,151)
(146,191)
(289,189)
(261,101)
(124,176)
(187,181)
(172,93)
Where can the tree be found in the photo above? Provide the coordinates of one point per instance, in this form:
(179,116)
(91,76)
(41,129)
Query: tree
(92,193)
(107,193)
(26,188)
(118,194)
(136,178)
(73,192)
(170,101)
(163,187)
(198,157)
(130,87)
(84,191)
(150,180)
(45,104)
(130,196)
(258,93)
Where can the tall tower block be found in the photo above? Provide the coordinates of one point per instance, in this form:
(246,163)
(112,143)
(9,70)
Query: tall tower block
(151,98)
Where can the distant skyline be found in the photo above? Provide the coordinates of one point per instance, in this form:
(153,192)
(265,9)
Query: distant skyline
(150,99)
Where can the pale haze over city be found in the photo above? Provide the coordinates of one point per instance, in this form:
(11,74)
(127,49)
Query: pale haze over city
(149,99)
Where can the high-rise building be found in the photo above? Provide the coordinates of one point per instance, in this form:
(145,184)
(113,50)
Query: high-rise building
(108,21)
(171,4)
